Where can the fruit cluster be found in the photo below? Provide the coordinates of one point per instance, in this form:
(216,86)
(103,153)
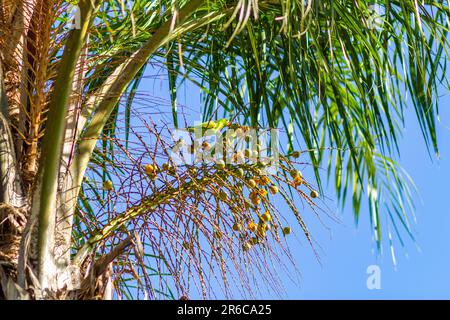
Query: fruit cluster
(245,188)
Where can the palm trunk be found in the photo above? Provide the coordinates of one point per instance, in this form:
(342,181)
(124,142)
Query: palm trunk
(35,240)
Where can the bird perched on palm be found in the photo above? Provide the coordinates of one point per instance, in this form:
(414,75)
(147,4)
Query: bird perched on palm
(210,125)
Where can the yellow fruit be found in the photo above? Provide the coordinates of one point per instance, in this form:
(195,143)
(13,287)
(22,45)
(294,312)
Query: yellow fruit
(263,192)
(108,185)
(240,172)
(298,180)
(265,180)
(266,217)
(252,226)
(314,194)
(252,183)
(223,195)
(149,169)
(247,153)
(254,241)
(237,227)
(286,230)
(246,246)
(295,154)
(261,231)
(255,200)
(294,173)
(273,189)
(220,164)
(166,166)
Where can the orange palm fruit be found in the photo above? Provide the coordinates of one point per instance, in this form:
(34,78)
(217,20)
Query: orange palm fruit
(273,189)
(298,180)
(314,194)
(149,169)
(266,217)
(286,230)
(252,226)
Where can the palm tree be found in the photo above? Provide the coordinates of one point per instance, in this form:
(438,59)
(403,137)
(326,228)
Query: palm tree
(84,195)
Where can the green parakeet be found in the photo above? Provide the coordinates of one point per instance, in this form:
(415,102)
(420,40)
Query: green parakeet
(210,125)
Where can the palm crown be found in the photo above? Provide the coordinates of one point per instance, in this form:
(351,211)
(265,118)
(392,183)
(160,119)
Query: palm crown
(333,74)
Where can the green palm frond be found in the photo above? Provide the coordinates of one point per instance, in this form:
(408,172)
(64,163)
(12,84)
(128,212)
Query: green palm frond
(341,81)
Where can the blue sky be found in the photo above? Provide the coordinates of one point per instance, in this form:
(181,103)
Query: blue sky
(421,272)
(346,251)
